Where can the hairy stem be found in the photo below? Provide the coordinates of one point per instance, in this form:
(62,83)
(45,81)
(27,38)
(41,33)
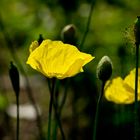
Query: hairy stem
(50,108)
(136,92)
(17,127)
(97,111)
(56,111)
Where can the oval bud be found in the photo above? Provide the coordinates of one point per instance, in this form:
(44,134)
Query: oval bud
(14,76)
(104,68)
(68,34)
(40,39)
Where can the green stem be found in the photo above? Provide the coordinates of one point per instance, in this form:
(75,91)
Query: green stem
(54,137)
(97,111)
(57,116)
(59,122)
(17,127)
(136,92)
(58,112)
(50,108)
(88,24)
(64,97)
(55,126)
(52,103)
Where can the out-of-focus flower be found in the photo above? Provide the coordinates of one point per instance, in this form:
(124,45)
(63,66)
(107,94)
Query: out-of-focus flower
(56,59)
(122,91)
(130,81)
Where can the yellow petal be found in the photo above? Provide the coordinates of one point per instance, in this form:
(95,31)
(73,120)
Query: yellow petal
(130,80)
(33,46)
(56,59)
(116,92)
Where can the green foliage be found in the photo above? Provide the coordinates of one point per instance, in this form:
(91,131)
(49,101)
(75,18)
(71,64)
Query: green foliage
(3,103)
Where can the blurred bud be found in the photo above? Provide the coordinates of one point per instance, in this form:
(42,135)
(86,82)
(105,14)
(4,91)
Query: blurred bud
(104,68)
(68,34)
(40,39)
(137,30)
(14,76)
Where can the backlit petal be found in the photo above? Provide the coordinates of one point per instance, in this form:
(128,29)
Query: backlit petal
(130,80)
(116,92)
(56,59)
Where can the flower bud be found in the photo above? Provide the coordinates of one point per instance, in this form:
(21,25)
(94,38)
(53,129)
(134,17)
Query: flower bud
(40,39)
(68,34)
(104,68)
(137,30)
(14,76)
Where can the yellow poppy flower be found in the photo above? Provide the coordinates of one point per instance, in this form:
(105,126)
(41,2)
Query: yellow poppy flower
(130,80)
(116,92)
(122,91)
(56,59)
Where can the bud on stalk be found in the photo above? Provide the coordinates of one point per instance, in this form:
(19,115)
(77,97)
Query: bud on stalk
(68,34)
(14,76)
(137,30)
(104,68)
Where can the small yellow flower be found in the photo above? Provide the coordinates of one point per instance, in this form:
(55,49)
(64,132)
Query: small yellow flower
(56,59)
(122,91)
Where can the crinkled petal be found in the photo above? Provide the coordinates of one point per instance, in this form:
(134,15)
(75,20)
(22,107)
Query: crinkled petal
(56,59)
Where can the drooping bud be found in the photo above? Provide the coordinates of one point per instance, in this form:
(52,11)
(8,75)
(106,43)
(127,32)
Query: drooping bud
(68,34)
(137,30)
(104,68)
(14,76)
(40,39)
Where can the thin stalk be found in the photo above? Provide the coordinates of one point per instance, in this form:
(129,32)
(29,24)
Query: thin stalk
(17,127)
(55,126)
(64,97)
(58,112)
(136,92)
(97,111)
(87,25)
(50,109)
(52,103)
(54,137)
(59,122)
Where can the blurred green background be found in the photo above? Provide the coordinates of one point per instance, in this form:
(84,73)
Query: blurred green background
(22,21)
